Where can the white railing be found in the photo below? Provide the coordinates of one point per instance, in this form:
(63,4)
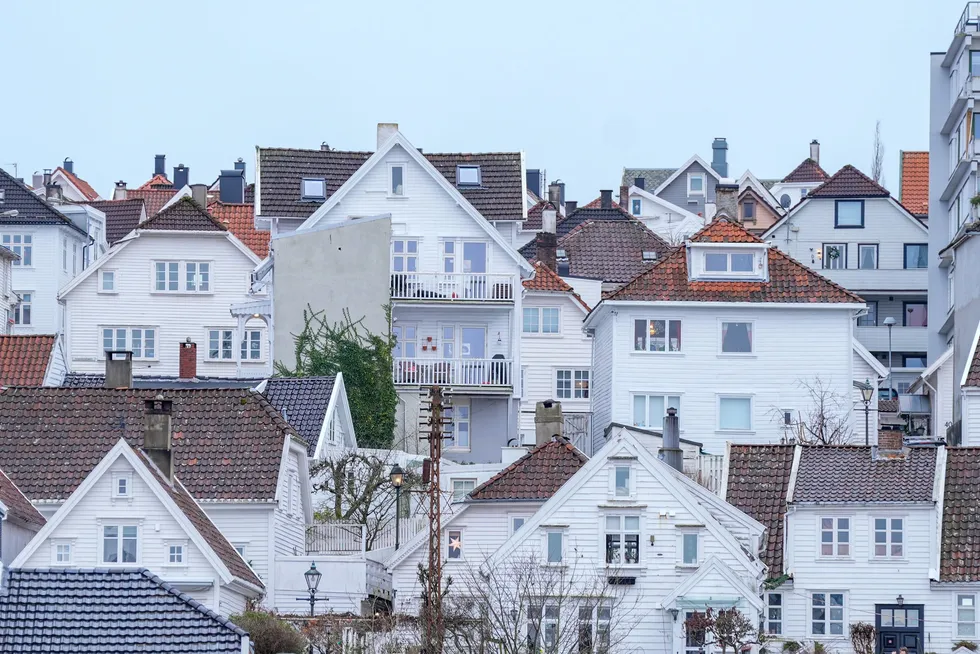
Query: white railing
(453,372)
(407,528)
(969,20)
(335,538)
(453,287)
(706,470)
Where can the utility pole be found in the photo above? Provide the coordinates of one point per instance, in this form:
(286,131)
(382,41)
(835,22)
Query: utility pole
(436,427)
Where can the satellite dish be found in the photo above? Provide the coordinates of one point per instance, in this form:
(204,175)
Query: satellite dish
(784,201)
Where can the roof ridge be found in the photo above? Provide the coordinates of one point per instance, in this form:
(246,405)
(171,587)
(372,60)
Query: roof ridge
(184,202)
(36,198)
(847,169)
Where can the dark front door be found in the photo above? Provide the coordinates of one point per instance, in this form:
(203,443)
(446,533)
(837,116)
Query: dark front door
(898,627)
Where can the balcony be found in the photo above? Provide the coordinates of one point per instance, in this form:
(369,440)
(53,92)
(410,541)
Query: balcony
(904,339)
(960,101)
(423,287)
(475,375)
(966,163)
(969,23)
(879,279)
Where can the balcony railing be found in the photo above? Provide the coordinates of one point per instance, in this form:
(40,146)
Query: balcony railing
(487,373)
(453,287)
(904,339)
(335,538)
(969,19)
(879,279)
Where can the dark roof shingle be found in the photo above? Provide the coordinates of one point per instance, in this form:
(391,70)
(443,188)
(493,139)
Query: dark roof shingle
(611,250)
(849,182)
(535,476)
(850,473)
(653,177)
(121,216)
(24,359)
(18,506)
(31,209)
(227,443)
(789,280)
(302,401)
(117,611)
(184,215)
(758,480)
(960,544)
(808,172)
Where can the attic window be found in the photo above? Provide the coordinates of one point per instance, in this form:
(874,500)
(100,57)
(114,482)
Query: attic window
(728,263)
(314,188)
(649,255)
(561,254)
(467,176)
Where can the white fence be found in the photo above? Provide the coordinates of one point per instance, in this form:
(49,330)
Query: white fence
(335,538)
(706,469)
(454,372)
(452,287)
(407,528)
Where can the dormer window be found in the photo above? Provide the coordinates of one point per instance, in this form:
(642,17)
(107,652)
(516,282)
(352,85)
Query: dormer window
(314,188)
(649,255)
(467,175)
(561,254)
(728,261)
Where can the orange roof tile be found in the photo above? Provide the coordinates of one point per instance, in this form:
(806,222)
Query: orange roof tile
(546,279)
(240,221)
(914,189)
(535,476)
(24,359)
(83,186)
(157,182)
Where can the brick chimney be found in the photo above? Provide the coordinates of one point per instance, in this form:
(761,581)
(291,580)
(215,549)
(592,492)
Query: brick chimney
(890,442)
(188,359)
(118,369)
(605,199)
(548,421)
(157,437)
(624,197)
(726,199)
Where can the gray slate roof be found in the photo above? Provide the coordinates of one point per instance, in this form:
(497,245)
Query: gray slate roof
(31,209)
(849,473)
(90,380)
(302,401)
(117,611)
(654,176)
(281,171)
(581,215)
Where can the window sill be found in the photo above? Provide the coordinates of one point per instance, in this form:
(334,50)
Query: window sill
(108,292)
(690,567)
(397,197)
(656,353)
(541,335)
(184,293)
(173,566)
(848,226)
(834,559)
(736,431)
(635,569)
(737,355)
(884,560)
(455,449)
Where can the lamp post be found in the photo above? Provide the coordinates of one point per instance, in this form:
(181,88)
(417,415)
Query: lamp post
(889,323)
(312,577)
(866,393)
(397,477)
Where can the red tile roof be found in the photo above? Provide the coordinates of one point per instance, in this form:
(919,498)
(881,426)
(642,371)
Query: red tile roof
(158,182)
(758,480)
(240,221)
(546,279)
(18,506)
(849,182)
(24,359)
(914,189)
(535,476)
(808,172)
(184,215)
(533,222)
(83,186)
(154,199)
(960,543)
(789,280)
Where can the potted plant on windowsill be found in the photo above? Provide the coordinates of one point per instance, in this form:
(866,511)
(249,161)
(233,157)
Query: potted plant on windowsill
(975,206)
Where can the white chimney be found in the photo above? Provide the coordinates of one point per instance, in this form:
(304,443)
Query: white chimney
(815,150)
(385,132)
(549,221)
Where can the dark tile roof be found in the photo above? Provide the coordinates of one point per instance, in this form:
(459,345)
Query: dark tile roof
(535,476)
(302,401)
(281,170)
(789,280)
(184,215)
(106,611)
(611,250)
(153,198)
(850,473)
(808,172)
(19,508)
(960,544)
(849,182)
(240,221)
(121,216)
(973,374)
(228,443)
(758,480)
(533,222)
(914,189)
(653,177)
(31,209)
(84,187)
(24,359)
(209,532)
(576,218)
(91,380)
(888,406)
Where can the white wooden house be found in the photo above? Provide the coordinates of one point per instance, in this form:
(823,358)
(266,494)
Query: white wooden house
(19,521)
(730,332)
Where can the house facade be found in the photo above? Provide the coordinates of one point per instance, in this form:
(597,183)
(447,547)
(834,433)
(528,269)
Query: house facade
(19,521)
(851,230)
(807,176)
(724,304)
(443,224)
(690,187)
(165,292)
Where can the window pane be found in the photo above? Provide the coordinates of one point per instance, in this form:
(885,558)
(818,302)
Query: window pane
(622,481)
(549,321)
(612,523)
(469,175)
(736,337)
(715,262)
(697,183)
(397,183)
(657,411)
(530,320)
(690,549)
(554,547)
(631,523)
(742,262)
(640,335)
(675,335)
(867,257)
(735,413)
(640,410)
(916,314)
(917,255)
(658,334)
(850,213)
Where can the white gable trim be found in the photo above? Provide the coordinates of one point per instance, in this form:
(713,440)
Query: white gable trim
(57,352)
(683,169)
(88,272)
(305,487)
(123,449)
(969,359)
(569,295)
(399,140)
(931,370)
(713,564)
(863,352)
(182,193)
(669,206)
(338,401)
(751,181)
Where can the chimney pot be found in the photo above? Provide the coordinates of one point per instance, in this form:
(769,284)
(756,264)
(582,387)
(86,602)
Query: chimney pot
(548,422)
(240,165)
(120,192)
(181,176)
(815,150)
(160,165)
(157,436)
(188,359)
(47,176)
(385,132)
(671,451)
(118,369)
(570,206)
(554,194)
(199,193)
(69,165)
(719,158)
(324,146)
(605,200)
(37,180)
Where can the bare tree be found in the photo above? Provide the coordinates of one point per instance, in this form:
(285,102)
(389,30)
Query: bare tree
(726,629)
(878,156)
(826,421)
(863,637)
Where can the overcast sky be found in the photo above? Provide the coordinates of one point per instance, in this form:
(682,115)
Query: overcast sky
(584,88)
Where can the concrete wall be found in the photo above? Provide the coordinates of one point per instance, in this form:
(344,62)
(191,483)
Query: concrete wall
(966,297)
(938,216)
(345,267)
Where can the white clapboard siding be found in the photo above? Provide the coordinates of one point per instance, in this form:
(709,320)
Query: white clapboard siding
(46,274)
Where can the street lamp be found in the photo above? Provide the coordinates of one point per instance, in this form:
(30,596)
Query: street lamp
(312,577)
(866,393)
(397,477)
(889,323)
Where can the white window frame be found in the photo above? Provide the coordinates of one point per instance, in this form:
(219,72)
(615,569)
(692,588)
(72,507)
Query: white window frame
(460,554)
(825,257)
(74,258)
(548,533)
(242,548)
(557,324)
(539,313)
(120,526)
(835,543)
(119,479)
(111,274)
(453,443)
(889,535)
(69,544)
(622,531)
(64,254)
(168,544)
(683,534)
(512,518)
(182,282)
(646,408)
(479,175)
(827,621)
(129,340)
(728,272)
(721,338)
(250,337)
(458,494)
(575,377)
(391,188)
(198,276)
(221,333)
(614,487)
(405,255)
(21,244)
(667,341)
(636,207)
(735,396)
(963,603)
(704,182)
(774,614)
(22,304)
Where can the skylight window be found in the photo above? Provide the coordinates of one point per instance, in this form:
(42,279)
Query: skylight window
(314,188)
(649,255)
(561,254)
(467,175)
